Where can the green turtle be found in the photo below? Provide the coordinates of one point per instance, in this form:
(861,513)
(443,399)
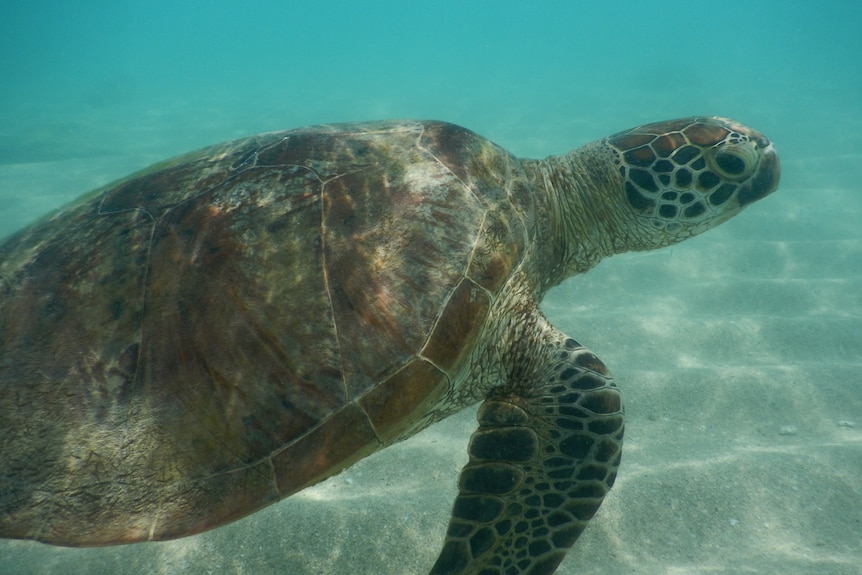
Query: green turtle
(213,334)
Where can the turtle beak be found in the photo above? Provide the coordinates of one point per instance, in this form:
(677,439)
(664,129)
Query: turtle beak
(765,181)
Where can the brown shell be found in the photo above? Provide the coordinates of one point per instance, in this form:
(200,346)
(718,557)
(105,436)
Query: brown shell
(224,329)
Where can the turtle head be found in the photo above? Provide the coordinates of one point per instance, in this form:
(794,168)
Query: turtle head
(683,177)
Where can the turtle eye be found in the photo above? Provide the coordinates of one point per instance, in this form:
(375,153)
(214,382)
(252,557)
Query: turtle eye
(730,163)
(733,162)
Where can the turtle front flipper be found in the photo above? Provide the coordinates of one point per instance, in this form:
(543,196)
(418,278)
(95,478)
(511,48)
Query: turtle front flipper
(545,455)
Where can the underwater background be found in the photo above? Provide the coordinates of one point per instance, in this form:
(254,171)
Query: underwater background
(739,352)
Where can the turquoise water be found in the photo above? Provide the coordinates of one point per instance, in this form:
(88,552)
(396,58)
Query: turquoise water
(739,352)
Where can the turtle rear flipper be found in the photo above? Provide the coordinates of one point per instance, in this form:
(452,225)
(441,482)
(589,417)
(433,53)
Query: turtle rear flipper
(545,455)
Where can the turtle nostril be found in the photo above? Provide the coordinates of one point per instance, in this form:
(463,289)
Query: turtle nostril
(761,142)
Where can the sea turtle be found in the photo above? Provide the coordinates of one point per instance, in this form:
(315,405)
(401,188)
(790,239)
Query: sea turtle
(215,333)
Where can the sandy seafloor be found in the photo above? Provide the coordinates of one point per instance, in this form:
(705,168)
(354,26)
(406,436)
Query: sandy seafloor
(739,352)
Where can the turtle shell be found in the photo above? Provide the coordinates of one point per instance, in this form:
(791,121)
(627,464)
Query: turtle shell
(222,330)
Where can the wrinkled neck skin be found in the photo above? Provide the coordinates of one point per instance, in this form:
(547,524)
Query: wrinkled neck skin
(587,213)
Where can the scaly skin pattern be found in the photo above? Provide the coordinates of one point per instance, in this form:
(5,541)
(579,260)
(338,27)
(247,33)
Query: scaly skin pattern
(201,339)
